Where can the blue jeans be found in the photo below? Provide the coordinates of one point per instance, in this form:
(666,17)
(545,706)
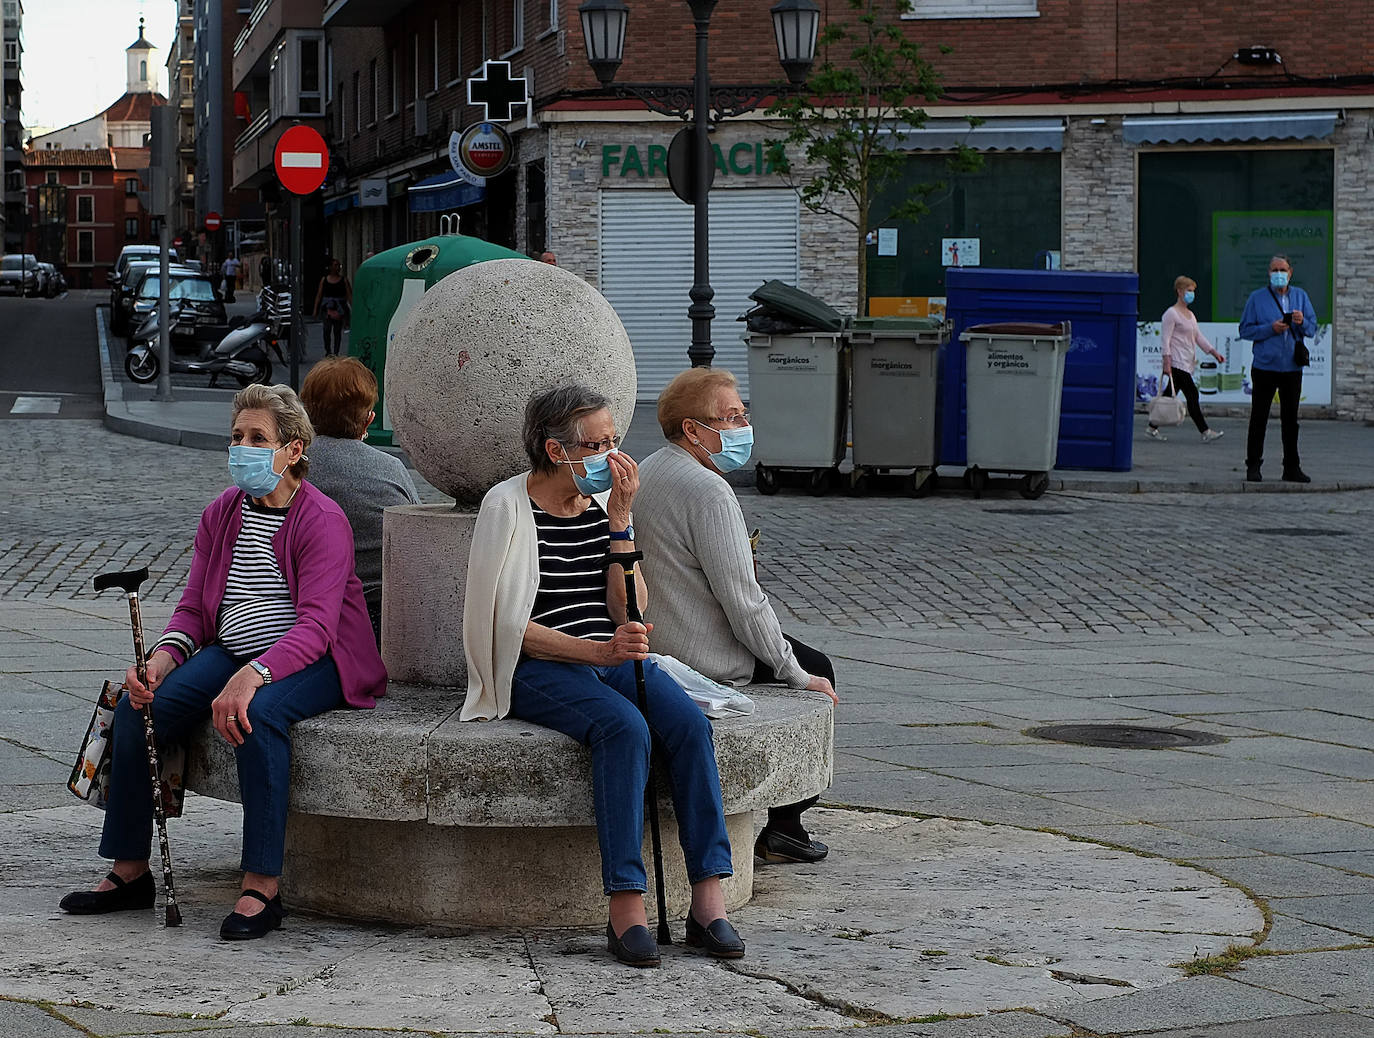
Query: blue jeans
(264,760)
(597,707)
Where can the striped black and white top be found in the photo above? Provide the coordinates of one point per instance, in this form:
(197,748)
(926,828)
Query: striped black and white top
(257,608)
(572,573)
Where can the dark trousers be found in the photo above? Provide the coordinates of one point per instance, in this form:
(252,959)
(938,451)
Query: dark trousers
(230,283)
(333,330)
(787,819)
(1182,382)
(1263,386)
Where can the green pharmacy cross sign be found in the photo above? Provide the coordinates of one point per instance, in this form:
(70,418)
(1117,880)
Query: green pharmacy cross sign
(496,93)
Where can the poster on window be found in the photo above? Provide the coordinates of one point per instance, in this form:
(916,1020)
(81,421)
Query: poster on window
(1228,382)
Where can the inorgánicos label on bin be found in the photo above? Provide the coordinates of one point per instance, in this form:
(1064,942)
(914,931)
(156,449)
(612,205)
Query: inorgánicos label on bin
(886,366)
(1008,362)
(792,361)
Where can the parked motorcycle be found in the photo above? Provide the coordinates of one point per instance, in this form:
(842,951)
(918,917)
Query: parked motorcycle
(241,352)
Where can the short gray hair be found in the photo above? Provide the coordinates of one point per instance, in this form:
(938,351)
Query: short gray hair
(286,410)
(557,414)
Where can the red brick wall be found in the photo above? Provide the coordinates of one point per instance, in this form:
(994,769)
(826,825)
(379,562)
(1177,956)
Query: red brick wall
(110,209)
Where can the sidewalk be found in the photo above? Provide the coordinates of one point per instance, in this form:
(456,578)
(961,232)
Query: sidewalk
(1336,454)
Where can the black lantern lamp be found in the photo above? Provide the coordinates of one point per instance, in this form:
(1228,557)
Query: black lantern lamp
(795,22)
(603,28)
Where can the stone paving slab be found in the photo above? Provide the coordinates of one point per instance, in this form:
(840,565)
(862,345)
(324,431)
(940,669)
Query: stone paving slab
(1189,1004)
(960,917)
(1327,1025)
(1338,979)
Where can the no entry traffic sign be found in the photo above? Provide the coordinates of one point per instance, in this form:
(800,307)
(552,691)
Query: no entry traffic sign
(212,221)
(302,160)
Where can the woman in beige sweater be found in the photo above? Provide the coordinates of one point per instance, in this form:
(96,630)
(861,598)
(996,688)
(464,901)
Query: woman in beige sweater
(708,609)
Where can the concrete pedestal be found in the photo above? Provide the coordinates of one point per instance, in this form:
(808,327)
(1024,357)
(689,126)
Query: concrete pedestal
(415,872)
(424,565)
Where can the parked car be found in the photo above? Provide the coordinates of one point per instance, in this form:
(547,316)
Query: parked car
(184,286)
(128,255)
(19,274)
(56,284)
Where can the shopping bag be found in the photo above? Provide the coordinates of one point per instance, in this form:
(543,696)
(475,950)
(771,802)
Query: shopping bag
(716,700)
(90,777)
(1168,410)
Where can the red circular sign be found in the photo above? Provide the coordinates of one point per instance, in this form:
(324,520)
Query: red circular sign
(302,160)
(485,149)
(212,221)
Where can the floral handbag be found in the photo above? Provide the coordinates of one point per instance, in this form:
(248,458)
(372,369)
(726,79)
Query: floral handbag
(90,777)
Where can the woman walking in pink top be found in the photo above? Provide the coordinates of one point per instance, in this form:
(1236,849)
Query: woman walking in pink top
(1180,338)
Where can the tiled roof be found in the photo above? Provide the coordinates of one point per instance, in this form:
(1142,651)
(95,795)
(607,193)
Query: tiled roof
(133,108)
(102,158)
(131,158)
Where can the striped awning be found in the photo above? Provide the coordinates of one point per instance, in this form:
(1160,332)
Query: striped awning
(1222,127)
(1019,134)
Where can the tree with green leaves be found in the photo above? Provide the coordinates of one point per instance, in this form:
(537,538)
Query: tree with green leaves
(850,118)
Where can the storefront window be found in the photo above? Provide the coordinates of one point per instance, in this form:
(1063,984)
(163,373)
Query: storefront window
(1218,217)
(1005,214)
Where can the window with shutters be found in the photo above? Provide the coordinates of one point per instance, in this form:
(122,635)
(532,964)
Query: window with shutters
(85,208)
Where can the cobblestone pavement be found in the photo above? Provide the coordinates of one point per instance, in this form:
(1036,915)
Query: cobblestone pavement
(1113,563)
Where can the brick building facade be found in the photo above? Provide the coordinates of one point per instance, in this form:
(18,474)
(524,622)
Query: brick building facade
(1114,137)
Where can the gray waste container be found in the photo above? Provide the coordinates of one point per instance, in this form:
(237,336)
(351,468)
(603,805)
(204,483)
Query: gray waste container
(895,363)
(1014,384)
(797,393)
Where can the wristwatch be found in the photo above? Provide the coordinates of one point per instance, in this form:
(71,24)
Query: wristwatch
(627,534)
(262,670)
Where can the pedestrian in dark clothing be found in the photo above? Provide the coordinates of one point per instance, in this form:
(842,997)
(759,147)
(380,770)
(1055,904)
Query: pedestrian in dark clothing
(335,296)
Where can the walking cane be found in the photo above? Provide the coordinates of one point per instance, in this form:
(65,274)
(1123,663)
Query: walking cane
(129,582)
(627,560)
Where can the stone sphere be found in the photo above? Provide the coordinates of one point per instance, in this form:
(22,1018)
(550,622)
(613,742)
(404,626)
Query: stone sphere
(477,346)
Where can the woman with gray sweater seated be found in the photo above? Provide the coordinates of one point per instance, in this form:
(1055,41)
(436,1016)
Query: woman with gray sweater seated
(340,394)
(709,610)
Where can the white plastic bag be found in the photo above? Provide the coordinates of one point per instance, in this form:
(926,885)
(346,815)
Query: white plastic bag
(716,700)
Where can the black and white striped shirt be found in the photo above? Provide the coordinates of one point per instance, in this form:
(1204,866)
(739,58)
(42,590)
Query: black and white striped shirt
(572,573)
(257,608)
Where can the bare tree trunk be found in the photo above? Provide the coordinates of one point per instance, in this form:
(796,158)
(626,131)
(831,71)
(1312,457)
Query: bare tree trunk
(861,302)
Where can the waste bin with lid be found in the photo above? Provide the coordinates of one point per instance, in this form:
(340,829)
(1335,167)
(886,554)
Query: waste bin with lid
(386,286)
(797,387)
(895,398)
(1015,382)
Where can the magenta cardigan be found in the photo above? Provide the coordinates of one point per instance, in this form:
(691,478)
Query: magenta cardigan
(314,548)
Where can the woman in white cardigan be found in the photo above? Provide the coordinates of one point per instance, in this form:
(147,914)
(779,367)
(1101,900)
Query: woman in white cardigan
(548,640)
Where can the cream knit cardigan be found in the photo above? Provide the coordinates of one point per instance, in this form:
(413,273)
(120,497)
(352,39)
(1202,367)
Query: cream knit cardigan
(503,578)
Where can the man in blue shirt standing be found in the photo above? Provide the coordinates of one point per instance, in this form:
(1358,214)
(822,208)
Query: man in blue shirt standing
(1276,319)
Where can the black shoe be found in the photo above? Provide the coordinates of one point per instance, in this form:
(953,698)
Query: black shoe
(137,893)
(1296,475)
(238,927)
(635,947)
(1252,474)
(721,940)
(775,847)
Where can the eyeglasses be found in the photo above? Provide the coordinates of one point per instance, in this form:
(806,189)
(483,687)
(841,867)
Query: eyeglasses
(600,446)
(739,421)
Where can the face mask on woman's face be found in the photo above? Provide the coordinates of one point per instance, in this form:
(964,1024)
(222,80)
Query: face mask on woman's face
(598,477)
(735,447)
(1278,278)
(251,469)
(1189,296)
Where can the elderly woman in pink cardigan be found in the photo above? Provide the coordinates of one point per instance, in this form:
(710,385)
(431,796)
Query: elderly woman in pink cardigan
(272,628)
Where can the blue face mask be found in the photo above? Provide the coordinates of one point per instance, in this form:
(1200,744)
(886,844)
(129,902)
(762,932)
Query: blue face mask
(735,447)
(251,469)
(1278,278)
(599,476)
(1189,296)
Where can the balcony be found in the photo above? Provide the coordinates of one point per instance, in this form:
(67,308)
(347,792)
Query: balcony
(270,18)
(341,13)
(255,148)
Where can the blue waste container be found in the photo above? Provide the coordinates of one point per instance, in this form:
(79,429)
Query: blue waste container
(1098,405)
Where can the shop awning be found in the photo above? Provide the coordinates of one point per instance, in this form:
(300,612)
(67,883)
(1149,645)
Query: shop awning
(340,203)
(1231,126)
(1028,134)
(442,192)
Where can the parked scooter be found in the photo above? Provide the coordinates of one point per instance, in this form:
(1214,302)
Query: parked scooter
(241,353)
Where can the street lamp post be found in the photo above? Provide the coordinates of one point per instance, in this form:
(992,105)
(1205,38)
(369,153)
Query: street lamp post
(795,24)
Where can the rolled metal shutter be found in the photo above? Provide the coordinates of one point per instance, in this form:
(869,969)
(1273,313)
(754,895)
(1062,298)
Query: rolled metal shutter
(646,271)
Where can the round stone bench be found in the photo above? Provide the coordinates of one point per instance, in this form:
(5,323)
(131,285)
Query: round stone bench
(406,814)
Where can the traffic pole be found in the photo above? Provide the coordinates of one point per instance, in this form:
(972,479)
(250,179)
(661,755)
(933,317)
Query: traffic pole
(164,333)
(297,293)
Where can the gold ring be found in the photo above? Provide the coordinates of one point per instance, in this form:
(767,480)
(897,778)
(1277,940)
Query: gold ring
(232,717)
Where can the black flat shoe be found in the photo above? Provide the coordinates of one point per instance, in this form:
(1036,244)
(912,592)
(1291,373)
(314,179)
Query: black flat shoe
(635,947)
(1296,476)
(776,848)
(138,893)
(239,927)
(720,939)
(1253,474)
